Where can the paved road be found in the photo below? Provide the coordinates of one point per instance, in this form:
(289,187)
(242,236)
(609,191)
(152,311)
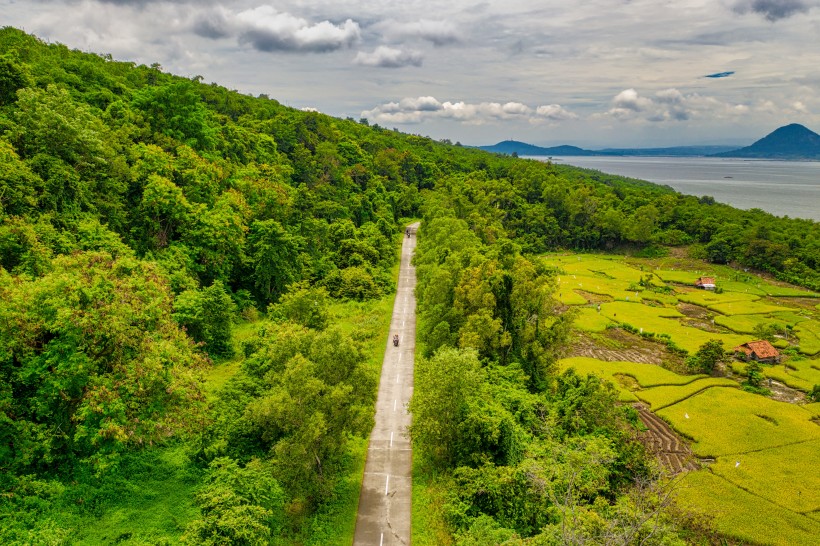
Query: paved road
(384,503)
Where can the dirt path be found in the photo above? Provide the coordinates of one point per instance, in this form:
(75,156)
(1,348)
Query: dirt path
(384,502)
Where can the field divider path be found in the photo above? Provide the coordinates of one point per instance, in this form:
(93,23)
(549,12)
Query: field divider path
(384,501)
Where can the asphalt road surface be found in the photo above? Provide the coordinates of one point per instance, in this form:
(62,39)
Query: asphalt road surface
(384,503)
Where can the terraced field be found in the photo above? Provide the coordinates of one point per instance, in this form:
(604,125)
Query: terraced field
(673,453)
(747,461)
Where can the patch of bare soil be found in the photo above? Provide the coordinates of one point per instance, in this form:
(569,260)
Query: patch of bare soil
(617,345)
(699,317)
(593,298)
(695,311)
(671,451)
(784,393)
(634,350)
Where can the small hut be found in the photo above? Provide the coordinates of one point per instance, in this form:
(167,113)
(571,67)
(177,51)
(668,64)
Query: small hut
(705,283)
(760,350)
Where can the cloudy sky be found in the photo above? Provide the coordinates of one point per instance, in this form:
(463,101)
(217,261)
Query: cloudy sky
(595,73)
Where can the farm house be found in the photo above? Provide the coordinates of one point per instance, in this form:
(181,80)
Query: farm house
(761,351)
(705,283)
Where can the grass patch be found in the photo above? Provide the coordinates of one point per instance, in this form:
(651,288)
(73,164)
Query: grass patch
(778,474)
(150,500)
(429,494)
(730,421)
(666,395)
(743,515)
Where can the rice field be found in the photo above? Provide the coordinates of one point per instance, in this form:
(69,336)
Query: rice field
(743,515)
(645,375)
(768,474)
(798,374)
(762,485)
(666,395)
(591,320)
(746,324)
(746,308)
(725,421)
(809,334)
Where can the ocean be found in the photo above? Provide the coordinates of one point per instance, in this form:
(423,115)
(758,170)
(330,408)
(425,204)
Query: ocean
(783,188)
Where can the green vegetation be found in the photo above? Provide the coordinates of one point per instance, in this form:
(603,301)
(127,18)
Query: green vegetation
(666,395)
(195,288)
(777,474)
(731,421)
(743,515)
(645,375)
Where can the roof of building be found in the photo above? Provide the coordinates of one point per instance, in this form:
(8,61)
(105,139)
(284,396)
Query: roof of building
(762,348)
(705,280)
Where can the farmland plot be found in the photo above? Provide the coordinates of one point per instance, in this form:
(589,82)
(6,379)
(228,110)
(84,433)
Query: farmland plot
(730,421)
(743,515)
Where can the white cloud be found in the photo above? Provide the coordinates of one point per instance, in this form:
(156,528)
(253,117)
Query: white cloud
(438,32)
(555,112)
(419,109)
(669,105)
(422,104)
(388,57)
(266,29)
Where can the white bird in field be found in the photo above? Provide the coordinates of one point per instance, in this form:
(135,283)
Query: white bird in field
(686,415)
(737,464)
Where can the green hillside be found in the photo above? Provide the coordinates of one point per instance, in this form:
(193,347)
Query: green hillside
(194,292)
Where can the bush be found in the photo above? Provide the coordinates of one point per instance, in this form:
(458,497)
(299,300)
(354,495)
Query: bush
(237,506)
(207,315)
(303,305)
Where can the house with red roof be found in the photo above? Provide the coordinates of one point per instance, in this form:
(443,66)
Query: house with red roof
(706,283)
(761,351)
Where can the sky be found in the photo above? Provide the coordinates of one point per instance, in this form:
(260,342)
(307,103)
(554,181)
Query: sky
(593,73)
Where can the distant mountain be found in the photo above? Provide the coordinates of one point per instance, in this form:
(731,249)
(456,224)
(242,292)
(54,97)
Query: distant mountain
(790,142)
(510,147)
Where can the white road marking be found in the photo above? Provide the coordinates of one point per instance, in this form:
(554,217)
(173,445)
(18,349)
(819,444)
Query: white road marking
(381,540)
(394,405)
(397,378)
(391,439)
(386,483)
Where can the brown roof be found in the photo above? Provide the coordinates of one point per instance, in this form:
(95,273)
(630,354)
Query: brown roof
(705,280)
(762,348)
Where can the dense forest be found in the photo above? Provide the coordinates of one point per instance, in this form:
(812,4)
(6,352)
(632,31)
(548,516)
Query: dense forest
(144,215)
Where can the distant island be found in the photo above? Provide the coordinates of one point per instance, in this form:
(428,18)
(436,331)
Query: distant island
(791,142)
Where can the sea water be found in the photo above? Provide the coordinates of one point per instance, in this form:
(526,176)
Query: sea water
(783,188)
